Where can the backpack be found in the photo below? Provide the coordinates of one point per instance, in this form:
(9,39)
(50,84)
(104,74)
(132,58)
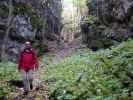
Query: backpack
(27,57)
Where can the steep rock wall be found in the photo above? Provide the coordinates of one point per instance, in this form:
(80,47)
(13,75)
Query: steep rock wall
(114,21)
(35,20)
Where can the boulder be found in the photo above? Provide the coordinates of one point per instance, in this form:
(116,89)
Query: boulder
(115,22)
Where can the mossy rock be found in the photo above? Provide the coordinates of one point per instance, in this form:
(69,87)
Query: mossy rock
(36,21)
(3,10)
(96,44)
(26,10)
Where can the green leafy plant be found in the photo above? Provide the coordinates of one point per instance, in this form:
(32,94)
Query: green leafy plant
(92,20)
(102,75)
(8,72)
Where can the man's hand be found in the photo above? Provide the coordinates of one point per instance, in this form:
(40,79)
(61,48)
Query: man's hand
(35,68)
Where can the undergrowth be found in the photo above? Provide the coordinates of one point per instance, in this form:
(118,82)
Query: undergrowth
(8,74)
(102,75)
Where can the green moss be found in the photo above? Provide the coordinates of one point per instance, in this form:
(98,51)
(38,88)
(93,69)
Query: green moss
(92,20)
(3,12)
(41,48)
(26,10)
(21,9)
(36,21)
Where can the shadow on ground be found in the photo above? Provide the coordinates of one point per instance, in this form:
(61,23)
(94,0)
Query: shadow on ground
(16,83)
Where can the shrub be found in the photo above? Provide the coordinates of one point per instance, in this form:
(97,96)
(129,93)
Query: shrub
(8,72)
(105,74)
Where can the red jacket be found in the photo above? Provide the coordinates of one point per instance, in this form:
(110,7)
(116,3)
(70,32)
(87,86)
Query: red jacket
(28,60)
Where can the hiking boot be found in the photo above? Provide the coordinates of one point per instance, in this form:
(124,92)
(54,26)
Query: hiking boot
(31,87)
(25,92)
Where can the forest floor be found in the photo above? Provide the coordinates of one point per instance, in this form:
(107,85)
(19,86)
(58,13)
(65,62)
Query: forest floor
(55,58)
(85,67)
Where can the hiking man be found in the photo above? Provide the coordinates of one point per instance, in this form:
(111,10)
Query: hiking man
(28,63)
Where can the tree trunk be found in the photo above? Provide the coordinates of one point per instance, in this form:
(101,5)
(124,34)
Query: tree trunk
(8,25)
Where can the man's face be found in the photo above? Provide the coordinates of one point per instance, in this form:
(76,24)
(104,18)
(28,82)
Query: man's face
(27,44)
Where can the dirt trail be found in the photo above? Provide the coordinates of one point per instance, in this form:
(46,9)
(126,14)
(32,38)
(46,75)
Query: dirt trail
(68,49)
(62,54)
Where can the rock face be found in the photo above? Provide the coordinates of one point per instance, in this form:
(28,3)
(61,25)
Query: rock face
(115,19)
(110,11)
(34,20)
(24,29)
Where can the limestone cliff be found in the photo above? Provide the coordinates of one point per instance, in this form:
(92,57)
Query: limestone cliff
(35,20)
(114,22)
